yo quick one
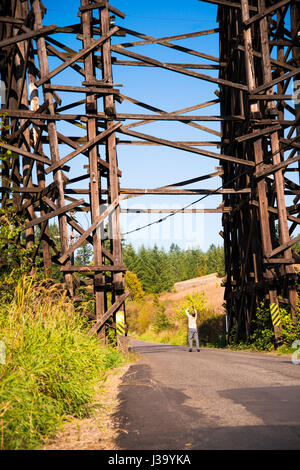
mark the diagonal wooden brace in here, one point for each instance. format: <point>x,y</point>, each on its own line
<point>109,312</point>
<point>83,148</point>
<point>77,56</point>
<point>54,213</point>
<point>93,227</point>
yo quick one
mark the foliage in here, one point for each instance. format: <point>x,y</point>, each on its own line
<point>83,255</point>
<point>162,321</point>
<point>154,270</point>
<point>52,367</point>
<point>196,299</point>
<point>14,256</point>
<point>263,336</point>
<point>134,286</point>
<point>290,331</point>
<point>175,335</point>
<point>158,270</point>
<point>140,314</point>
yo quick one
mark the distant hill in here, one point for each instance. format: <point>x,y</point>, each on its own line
<point>210,285</point>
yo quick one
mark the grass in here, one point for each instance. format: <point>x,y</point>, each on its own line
<point>175,336</point>
<point>52,368</point>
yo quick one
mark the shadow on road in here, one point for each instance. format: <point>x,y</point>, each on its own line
<point>155,416</point>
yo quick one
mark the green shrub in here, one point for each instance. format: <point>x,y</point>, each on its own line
<point>290,331</point>
<point>162,321</point>
<point>263,337</point>
<point>196,299</point>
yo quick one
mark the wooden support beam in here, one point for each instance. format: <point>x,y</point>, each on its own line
<point>77,56</point>
<point>98,220</point>
<point>273,168</point>
<point>167,191</point>
<point>20,151</point>
<point>274,82</point>
<point>267,11</point>
<point>83,148</point>
<point>70,141</point>
<point>170,38</point>
<point>173,117</point>
<point>170,45</point>
<point>192,143</point>
<point>255,134</point>
<point>229,4</point>
<point>9,19</point>
<point>208,78</point>
<point>270,97</point>
<point>283,247</point>
<point>121,299</point>
<point>93,269</point>
<point>99,4</point>
<point>54,213</point>
<point>23,37</point>
<point>169,143</point>
<point>83,89</point>
<point>184,110</point>
<point>282,261</point>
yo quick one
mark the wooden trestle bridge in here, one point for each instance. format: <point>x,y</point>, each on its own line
<point>256,89</point>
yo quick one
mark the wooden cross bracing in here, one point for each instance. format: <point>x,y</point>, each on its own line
<point>257,144</point>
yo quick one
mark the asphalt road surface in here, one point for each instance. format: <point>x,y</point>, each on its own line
<point>172,399</point>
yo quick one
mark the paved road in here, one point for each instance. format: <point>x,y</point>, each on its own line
<point>215,399</point>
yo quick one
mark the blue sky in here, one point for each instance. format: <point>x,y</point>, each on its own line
<point>154,166</point>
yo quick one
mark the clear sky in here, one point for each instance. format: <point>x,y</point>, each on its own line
<point>154,166</point>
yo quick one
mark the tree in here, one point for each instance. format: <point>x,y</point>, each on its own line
<point>215,260</point>
<point>129,257</point>
<point>83,255</point>
<point>134,286</point>
<point>154,270</point>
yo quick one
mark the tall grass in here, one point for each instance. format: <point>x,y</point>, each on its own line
<point>52,367</point>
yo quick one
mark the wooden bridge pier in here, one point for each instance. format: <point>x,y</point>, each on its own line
<point>48,136</point>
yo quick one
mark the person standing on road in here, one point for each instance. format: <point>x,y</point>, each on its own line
<point>193,333</point>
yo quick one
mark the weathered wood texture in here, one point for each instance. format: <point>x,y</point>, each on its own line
<point>258,228</point>
<point>258,144</point>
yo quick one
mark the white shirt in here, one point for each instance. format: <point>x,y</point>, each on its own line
<point>192,320</point>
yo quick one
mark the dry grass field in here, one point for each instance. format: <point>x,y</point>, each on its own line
<point>210,285</point>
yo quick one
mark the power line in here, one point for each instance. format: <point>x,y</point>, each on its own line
<point>206,195</point>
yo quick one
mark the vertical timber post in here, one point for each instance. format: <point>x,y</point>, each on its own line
<point>118,285</point>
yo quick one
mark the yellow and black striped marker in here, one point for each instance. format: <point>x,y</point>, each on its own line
<point>120,322</point>
<point>275,314</point>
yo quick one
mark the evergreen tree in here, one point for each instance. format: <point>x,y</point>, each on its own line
<point>83,255</point>
<point>129,257</point>
<point>158,270</point>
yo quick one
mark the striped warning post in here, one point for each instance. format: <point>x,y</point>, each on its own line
<point>120,321</point>
<point>275,314</point>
